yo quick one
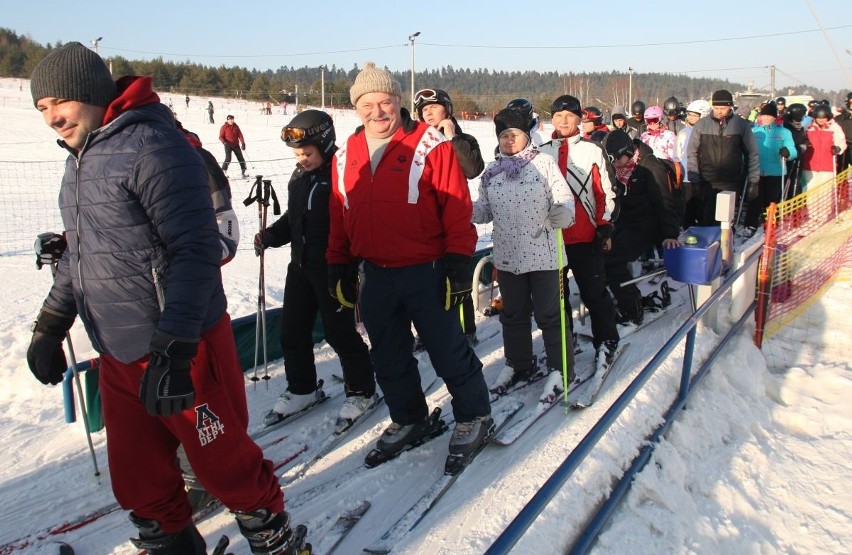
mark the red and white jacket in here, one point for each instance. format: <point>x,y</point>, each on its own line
<point>818,156</point>
<point>414,209</point>
<point>584,167</point>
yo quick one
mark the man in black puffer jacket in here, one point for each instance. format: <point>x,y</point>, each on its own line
<point>142,272</point>
<point>648,217</point>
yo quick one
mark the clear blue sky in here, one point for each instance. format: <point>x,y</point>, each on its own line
<point>724,38</point>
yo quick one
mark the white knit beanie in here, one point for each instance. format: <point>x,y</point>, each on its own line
<point>372,79</point>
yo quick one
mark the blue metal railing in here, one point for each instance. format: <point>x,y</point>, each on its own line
<point>516,529</point>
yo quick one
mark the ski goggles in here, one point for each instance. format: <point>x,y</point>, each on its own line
<point>567,105</point>
<point>423,96</point>
<point>652,120</point>
<point>293,134</point>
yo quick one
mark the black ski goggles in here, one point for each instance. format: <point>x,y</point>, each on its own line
<point>293,134</point>
<point>566,105</point>
<point>423,96</point>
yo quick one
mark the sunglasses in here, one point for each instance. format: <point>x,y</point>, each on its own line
<point>292,134</point>
<point>424,95</point>
<point>652,120</point>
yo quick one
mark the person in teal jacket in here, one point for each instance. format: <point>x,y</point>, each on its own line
<point>775,147</point>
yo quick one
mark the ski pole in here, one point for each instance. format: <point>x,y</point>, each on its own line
<point>51,246</point>
<point>783,186</point>
<point>562,325</point>
<point>83,410</point>
<point>256,194</point>
<point>742,202</point>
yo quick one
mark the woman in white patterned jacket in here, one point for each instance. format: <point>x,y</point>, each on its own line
<point>527,198</point>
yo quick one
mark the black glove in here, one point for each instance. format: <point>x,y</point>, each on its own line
<point>45,355</point>
<point>49,248</point>
<point>752,192</point>
<point>166,386</point>
<point>459,281</point>
<point>784,152</point>
<point>343,284</point>
<point>694,177</point>
<point>835,150</point>
<point>603,238</point>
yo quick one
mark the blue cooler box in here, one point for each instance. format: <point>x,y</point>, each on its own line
<point>698,263</point>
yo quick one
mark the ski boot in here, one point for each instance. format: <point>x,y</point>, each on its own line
<point>353,408</point>
<point>156,542</point>
<point>270,534</point>
<point>467,438</point>
<point>398,438</point>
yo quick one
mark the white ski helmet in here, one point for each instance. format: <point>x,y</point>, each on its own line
<point>699,107</point>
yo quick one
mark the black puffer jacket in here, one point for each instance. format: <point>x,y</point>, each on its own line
<point>305,223</point>
<point>136,204</point>
<point>723,152</point>
<point>647,205</point>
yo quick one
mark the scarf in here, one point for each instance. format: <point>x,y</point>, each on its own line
<point>624,172</point>
<point>511,165</point>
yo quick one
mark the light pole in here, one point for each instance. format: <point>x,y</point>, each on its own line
<point>411,38</point>
<point>95,44</point>
<point>630,90</point>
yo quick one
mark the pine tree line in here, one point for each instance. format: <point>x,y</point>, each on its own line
<point>472,90</point>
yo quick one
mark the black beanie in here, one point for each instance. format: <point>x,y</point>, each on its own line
<point>769,109</point>
<point>618,143</point>
<point>73,72</point>
<point>722,98</point>
<point>513,118</point>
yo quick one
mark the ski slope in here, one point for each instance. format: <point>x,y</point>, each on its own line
<point>756,464</point>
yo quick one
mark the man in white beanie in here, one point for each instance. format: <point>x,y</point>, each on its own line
<point>141,270</point>
<point>401,207</point>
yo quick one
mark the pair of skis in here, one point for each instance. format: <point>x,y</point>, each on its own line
<point>418,511</point>
<point>584,399</point>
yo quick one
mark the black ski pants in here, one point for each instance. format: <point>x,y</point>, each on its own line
<point>627,245</point>
<point>391,299</point>
<point>536,293</point>
<point>769,191</point>
<point>305,295</point>
<point>238,153</point>
<point>587,264</point>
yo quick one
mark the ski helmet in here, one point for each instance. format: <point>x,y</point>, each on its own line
<point>311,127</point>
<point>796,112</point>
<point>822,111</point>
<point>700,106</point>
<point>568,103</point>
<point>638,108</point>
<point>424,97</point>
<point>670,106</point>
<point>781,101</point>
<point>653,113</point>
<point>593,114</point>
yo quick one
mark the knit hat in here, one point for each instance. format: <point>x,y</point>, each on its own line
<point>512,118</point>
<point>769,109</point>
<point>722,98</point>
<point>619,115</point>
<point>618,143</point>
<point>73,72</point>
<point>372,79</point>
<point>569,103</point>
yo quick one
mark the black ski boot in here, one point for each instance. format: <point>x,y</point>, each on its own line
<point>634,313</point>
<point>398,438</point>
<point>186,542</point>
<point>467,438</point>
<point>270,534</point>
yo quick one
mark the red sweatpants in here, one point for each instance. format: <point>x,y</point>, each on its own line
<point>142,449</point>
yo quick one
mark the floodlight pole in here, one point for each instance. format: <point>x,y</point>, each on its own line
<point>411,38</point>
<point>630,91</point>
<point>95,43</point>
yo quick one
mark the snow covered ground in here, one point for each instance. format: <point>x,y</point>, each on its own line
<point>758,463</point>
